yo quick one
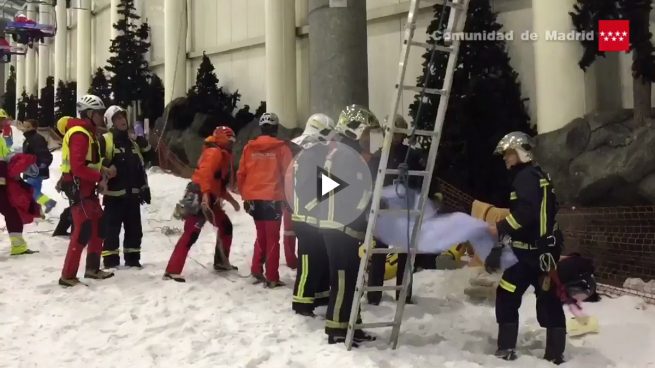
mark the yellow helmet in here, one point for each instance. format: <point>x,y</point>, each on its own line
<point>62,123</point>
<point>3,114</point>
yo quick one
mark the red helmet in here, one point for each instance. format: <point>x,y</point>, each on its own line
<point>225,131</point>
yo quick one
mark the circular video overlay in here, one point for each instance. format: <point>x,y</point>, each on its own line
<point>329,182</point>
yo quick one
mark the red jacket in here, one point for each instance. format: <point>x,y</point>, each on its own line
<point>262,169</point>
<point>78,147</point>
<point>20,193</point>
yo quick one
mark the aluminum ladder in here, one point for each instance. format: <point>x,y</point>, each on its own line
<point>456,21</point>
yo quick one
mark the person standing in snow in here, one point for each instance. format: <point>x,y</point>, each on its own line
<point>209,185</point>
<point>342,240</point>
<point>7,132</point>
<point>312,286</point>
<point>83,178</point>
<point>35,144</point>
<point>127,191</point>
<point>260,179</point>
<point>533,235</point>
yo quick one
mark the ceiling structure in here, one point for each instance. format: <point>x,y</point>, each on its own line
<point>9,7</point>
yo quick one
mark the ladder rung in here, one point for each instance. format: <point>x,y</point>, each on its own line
<point>398,210</point>
<point>430,91</point>
<point>427,46</point>
<point>383,288</point>
<point>409,172</point>
<point>425,133</point>
<point>393,250</point>
<point>374,325</point>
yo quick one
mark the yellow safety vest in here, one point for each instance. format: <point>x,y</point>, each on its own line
<point>109,147</point>
<point>65,151</point>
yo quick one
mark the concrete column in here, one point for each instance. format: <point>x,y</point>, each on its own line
<point>31,74</point>
<point>560,85</point>
<point>83,48</point>
<point>113,16</point>
<point>44,47</point>
<point>280,22</point>
<point>338,57</point>
<point>61,39</point>
<point>175,35</point>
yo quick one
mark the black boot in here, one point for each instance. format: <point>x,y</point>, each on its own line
<point>65,222</point>
<point>507,335</point>
<point>555,344</point>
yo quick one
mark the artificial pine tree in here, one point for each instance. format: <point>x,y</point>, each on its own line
<point>47,104</point>
<point>65,103</point>
<point>28,107</point>
<point>485,104</point>
<point>9,99</point>
<point>207,98</point>
<point>585,18</point>
<point>100,87</point>
<point>153,102</point>
<point>127,63</point>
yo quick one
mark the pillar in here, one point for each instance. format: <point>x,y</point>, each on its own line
<point>113,17</point>
<point>338,56</point>
<point>31,61</point>
<point>44,47</point>
<point>60,43</point>
<point>20,78</point>
<point>560,86</point>
<point>83,48</point>
<point>175,35</point>
<point>280,25</point>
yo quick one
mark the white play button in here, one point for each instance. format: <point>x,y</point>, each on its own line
<point>327,184</point>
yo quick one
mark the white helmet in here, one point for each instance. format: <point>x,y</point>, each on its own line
<point>89,102</point>
<point>319,128</point>
<point>110,113</point>
<point>269,118</point>
<point>520,142</point>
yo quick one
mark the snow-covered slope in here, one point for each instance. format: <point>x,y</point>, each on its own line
<point>138,320</point>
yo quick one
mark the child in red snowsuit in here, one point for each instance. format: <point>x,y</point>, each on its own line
<point>261,183</point>
<point>211,180</point>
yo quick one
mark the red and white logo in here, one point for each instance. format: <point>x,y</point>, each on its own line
<point>613,35</point>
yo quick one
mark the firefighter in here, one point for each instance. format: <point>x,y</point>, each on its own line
<point>127,191</point>
<point>533,235</point>
<point>83,178</point>
<point>209,185</point>
<point>260,179</point>
<point>312,285</point>
<point>35,144</point>
<point>342,241</point>
<point>65,218</point>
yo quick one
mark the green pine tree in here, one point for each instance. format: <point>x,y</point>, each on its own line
<point>9,99</point>
<point>585,17</point>
<point>153,102</point>
<point>28,107</point>
<point>47,104</point>
<point>127,63</point>
<point>100,87</point>
<point>485,104</point>
<point>65,103</point>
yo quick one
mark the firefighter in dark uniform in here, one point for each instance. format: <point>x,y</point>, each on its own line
<point>533,235</point>
<point>127,191</point>
<point>312,286</point>
<point>343,240</point>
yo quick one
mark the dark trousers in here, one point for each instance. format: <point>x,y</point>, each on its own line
<point>122,212</point>
<point>343,255</point>
<point>65,222</point>
<point>312,286</point>
<point>509,294</point>
<point>376,274</point>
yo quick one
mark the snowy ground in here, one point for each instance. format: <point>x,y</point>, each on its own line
<point>138,320</point>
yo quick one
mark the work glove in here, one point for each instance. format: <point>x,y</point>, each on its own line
<point>145,196</point>
<point>492,263</point>
<point>138,129</point>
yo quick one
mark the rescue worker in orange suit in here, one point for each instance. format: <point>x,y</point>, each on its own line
<point>209,182</point>
<point>260,180</point>
<point>312,286</point>
<point>127,191</point>
<point>83,178</point>
<point>533,235</point>
<point>356,126</point>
